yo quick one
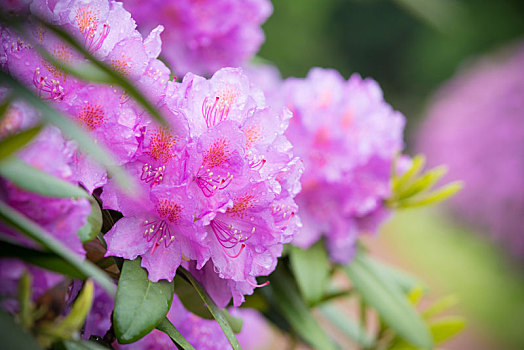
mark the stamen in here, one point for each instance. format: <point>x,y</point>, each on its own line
<point>210,183</point>
<point>282,215</point>
<point>152,175</point>
<point>217,110</point>
<point>160,231</point>
<point>257,285</point>
<point>228,237</point>
<point>88,20</point>
<point>49,87</point>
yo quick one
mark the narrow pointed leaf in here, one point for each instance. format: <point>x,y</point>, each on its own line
<point>440,306</point>
<point>190,298</point>
<point>417,165</point>
<point>297,314</point>
<point>311,270</point>
<point>180,341</point>
<point>346,325</point>
<point>13,143</point>
<point>435,197</point>
<point>34,180</point>
<point>27,227</point>
<point>387,299</point>
<point>446,328</point>
<point>140,305</point>
<point>404,281</point>
<point>45,260</point>
<point>424,183</point>
<point>213,308</point>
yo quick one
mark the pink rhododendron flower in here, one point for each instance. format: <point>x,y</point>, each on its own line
<point>234,175</point>
<point>204,36</point>
<point>347,136</point>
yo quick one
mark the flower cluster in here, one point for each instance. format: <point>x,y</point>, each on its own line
<point>204,36</point>
<point>475,125</point>
<point>347,137</point>
<point>217,186</point>
<point>216,183</point>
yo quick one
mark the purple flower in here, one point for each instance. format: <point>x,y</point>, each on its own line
<point>204,36</point>
<point>474,125</point>
<point>108,31</point>
<point>229,178</point>
<point>347,136</point>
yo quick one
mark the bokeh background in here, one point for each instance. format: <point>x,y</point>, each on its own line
<point>419,50</point>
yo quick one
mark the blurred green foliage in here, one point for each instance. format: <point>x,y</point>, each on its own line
<point>489,287</point>
<point>409,46</point>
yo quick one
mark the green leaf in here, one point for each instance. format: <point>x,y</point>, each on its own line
<point>236,323</point>
<point>45,260</point>
<point>423,183</point>
<point>25,303</point>
<point>65,328</point>
<point>37,181</point>
<point>441,331</point>
<point>311,270</point>
<point>13,143</point>
<point>213,308</point>
<point>287,298</point>
<point>167,327</point>
<point>190,298</point>
<point>416,165</point>
<point>346,325</point>
<point>93,225</point>
<point>14,337</point>
<point>140,304</point>
<point>404,281</point>
<point>34,180</point>
<point>25,226</point>
<point>440,306</point>
<point>333,294</point>
<point>415,295</point>
<point>72,130</point>
<point>81,345</point>
<point>435,197</point>
<point>386,298</point>
<point>446,328</point>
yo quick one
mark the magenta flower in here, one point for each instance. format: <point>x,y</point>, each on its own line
<point>204,36</point>
<point>474,125</point>
<point>347,137</point>
<point>161,229</point>
<point>227,168</point>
